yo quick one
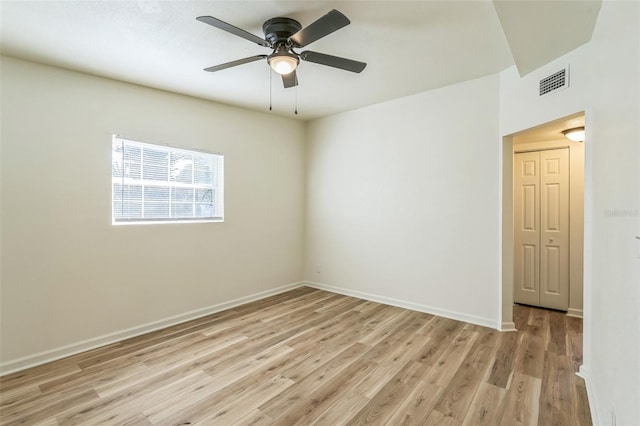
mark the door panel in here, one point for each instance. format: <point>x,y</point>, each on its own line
<point>554,227</point>
<point>552,272</point>
<point>552,210</point>
<point>530,267</point>
<point>527,228</point>
<point>529,205</point>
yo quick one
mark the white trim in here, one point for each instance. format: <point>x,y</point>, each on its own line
<point>582,373</point>
<point>459,316</point>
<point>106,339</point>
<point>585,373</point>
<point>508,326</point>
<point>162,222</point>
<point>576,313</point>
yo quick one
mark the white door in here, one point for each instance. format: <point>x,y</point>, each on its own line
<point>554,228</point>
<point>526,221</point>
<point>541,228</point>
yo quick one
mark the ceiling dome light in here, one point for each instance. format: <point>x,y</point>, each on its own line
<point>283,62</point>
<point>576,134</point>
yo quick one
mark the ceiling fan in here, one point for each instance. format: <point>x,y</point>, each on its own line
<point>283,35</point>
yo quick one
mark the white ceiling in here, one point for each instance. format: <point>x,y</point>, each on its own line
<point>551,131</point>
<point>409,46</point>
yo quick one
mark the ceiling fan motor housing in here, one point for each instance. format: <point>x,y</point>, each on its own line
<point>278,30</point>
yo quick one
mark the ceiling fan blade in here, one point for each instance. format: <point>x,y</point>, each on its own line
<point>235,63</point>
<point>333,61</point>
<point>323,26</point>
<point>290,80</point>
<point>233,30</point>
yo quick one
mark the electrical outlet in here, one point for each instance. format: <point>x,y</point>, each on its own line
<point>318,268</point>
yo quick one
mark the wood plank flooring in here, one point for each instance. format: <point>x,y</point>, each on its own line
<point>312,357</point>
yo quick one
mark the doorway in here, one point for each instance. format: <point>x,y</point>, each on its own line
<point>541,227</point>
<point>545,137</point>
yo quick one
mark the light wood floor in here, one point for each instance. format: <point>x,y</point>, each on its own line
<point>313,357</point>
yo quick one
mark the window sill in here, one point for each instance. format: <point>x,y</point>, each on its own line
<point>165,222</point>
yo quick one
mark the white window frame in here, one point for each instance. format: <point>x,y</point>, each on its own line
<point>217,185</point>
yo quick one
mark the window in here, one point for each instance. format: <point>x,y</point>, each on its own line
<point>155,183</point>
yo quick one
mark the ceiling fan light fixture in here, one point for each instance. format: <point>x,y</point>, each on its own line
<point>576,134</point>
<point>283,35</point>
<point>283,62</point>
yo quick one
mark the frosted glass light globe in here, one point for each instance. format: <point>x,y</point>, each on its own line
<point>283,63</point>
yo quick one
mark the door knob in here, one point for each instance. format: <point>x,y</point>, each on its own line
<point>550,240</point>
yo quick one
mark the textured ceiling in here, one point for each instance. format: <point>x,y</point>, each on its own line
<point>410,46</point>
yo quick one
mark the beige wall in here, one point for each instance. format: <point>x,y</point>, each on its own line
<point>67,274</point>
<point>613,156</point>
<point>402,202</point>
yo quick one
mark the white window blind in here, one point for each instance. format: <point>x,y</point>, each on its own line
<point>155,183</point>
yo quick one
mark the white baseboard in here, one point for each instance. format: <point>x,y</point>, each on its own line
<point>508,326</point>
<point>106,339</point>
<point>585,373</point>
<point>576,313</point>
<point>485,322</point>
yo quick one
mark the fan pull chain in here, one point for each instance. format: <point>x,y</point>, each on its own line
<point>296,110</point>
<point>270,89</point>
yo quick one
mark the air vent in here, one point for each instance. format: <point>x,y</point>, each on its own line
<point>556,81</point>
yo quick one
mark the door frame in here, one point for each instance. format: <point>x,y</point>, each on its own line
<point>507,239</point>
